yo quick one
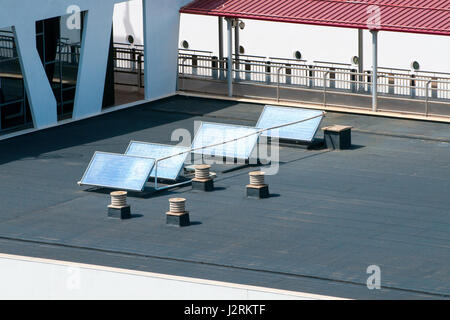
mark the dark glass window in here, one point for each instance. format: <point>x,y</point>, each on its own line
<point>59,49</point>
<point>14,108</point>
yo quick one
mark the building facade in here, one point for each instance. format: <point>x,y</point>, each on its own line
<point>55,57</point>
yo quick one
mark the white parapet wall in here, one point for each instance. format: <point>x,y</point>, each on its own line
<point>33,278</point>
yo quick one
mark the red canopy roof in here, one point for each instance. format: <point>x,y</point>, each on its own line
<point>415,16</point>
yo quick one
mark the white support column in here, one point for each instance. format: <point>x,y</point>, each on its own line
<point>221,65</point>
<point>161,37</point>
<point>93,61</point>
<point>361,58</point>
<point>236,47</point>
<point>230,56</point>
<point>38,89</point>
<point>374,70</point>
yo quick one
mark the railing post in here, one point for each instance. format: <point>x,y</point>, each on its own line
<point>140,70</point>
<point>353,80</point>
<point>434,88</point>
<point>325,89</point>
<point>133,59</point>
<point>268,72</point>
<point>332,78</point>
<point>248,70</point>
<point>194,64</point>
<point>413,86</point>
<point>427,93</point>
<point>311,76</point>
<point>184,74</point>
<point>278,83</point>
<point>369,81</point>
<point>391,84</point>
<point>288,74</point>
<point>214,67</point>
<point>73,53</point>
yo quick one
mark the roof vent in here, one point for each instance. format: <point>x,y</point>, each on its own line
<point>177,215</point>
<point>257,187</point>
<point>415,66</point>
<point>185,44</point>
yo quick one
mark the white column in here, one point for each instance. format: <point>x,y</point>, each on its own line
<point>236,46</point>
<point>230,57</point>
<point>374,70</point>
<point>221,65</point>
<point>93,61</point>
<point>161,38</point>
<point>361,57</point>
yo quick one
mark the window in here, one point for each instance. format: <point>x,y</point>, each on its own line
<point>14,108</point>
<point>59,49</point>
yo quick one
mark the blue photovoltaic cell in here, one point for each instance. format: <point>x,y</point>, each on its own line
<point>167,169</point>
<point>212,133</point>
<point>273,116</point>
<point>118,171</point>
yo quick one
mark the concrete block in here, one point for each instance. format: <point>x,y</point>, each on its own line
<point>257,192</point>
<point>203,185</point>
<point>119,212</point>
<point>338,137</point>
<point>178,220</point>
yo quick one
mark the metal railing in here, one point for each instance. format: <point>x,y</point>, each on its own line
<point>129,65</point>
<point>283,75</point>
<point>68,52</point>
<point>7,47</point>
<point>337,79</point>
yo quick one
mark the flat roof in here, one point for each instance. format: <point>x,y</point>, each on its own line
<point>414,16</point>
<point>331,214</point>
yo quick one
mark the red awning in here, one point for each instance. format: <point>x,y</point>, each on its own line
<point>415,16</point>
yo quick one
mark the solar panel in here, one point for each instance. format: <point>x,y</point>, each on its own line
<point>212,133</point>
<point>167,169</point>
<point>118,171</point>
<point>273,116</point>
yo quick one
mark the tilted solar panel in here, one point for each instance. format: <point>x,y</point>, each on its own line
<point>213,133</point>
<point>118,171</point>
<point>273,116</point>
<point>167,169</point>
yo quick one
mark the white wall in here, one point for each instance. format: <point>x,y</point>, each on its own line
<point>31,278</point>
<point>267,39</point>
<point>400,49</point>
<point>396,50</point>
<point>128,20</point>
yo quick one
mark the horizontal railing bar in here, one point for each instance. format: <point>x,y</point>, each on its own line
<point>356,74</point>
<point>318,89</point>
